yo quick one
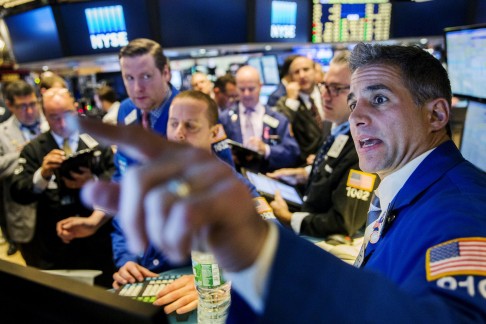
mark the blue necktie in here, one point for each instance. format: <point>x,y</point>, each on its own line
<point>322,154</point>
<point>374,211</point>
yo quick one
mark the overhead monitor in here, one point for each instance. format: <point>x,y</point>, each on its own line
<point>278,21</point>
<point>267,67</point>
<point>473,144</point>
<point>466,60</point>
<point>34,35</point>
<point>186,23</point>
<point>96,27</point>
<point>350,20</point>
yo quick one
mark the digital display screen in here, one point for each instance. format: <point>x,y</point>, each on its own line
<point>350,20</point>
<point>281,21</point>
<point>186,23</point>
<point>267,67</point>
<point>466,61</point>
<point>473,144</point>
<point>34,35</point>
<point>103,26</point>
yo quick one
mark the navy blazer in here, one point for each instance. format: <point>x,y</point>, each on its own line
<point>284,150</point>
<point>443,200</point>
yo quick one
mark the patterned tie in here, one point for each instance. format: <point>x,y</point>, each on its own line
<point>249,130</point>
<point>33,130</point>
<point>315,113</point>
<point>369,245</point>
<point>322,154</point>
<point>66,147</point>
<point>146,119</point>
<point>374,211</point>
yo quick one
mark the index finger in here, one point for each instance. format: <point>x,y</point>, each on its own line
<point>133,140</point>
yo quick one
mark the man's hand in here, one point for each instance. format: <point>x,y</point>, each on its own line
<point>256,144</point>
<point>180,296</point>
<point>79,178</point>
<point>51,162</point>
<point>131,272</point>
<point>292,176</point>
<point>176,223</point>
<point>293,89</point>
<point>79,227</point>
<point>281,209</point>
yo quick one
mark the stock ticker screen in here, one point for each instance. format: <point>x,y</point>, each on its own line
<point>350,20</point>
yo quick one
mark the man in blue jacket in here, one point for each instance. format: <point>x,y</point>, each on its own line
<point>425,252</point>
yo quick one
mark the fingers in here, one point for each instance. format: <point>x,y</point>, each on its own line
<point>131,272</point>
<point>102,195</point>
<point>133,140</point>
<point>180,296</point>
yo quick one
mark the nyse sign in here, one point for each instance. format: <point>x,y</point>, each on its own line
<point>109,40</point>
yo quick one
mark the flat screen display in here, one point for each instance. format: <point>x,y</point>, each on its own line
<point>267,67</point>
<point>281,21</point>
<point>350,20</point>
<point>103,26</point>
<point>34,35</point>
<point>466,60</point>
<point>185,23</point>
<point>473,144</point>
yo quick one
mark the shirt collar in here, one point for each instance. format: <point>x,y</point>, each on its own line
<point>391,184</point>
<point>60,140</point>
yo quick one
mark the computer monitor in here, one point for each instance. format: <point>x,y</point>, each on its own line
<point>267,67</point>
<point>466,57</point>
<point>473,143</point>
<point>28,295</point>
<point>34,35</point>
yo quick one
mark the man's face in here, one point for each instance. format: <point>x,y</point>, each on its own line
<point>227,98</point>
<point>146,85</point>
<point>302,71</point>
<point>56,109</point>
<point>189,123</point>
<point>248,85</point>
<point>388,129</point>
<point>200,82</point>
<point>25,108</point>
<point>335,95</point>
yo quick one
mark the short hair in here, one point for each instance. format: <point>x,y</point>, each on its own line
<point>423,75</point>
<point>212,112</point>
<point>341,57</point>
<point>284,70</point>
<point>18,88</point>
<point>48,81</point>
<point>142,46</point>
<point>106,93</point>
<point>222,81</point>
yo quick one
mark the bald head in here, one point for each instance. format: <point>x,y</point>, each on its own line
<point>248,85</point>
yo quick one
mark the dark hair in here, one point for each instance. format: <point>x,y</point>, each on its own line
<point>212,111</point>
<point>222,81</point>
<point>106,93</point>
<point>423,75</point>
<point>142,46</point>
<point>284,70</point>
<point>18,88</point>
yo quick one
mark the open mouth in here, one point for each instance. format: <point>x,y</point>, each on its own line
<point>368,142</point>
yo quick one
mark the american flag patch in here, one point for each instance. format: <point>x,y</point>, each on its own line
<point>464,256</point>
<point>361,180</point>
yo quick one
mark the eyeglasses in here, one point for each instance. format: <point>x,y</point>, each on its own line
<point>25,106</point>
<point>333,89</point>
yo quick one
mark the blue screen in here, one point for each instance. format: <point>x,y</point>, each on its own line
<point>34,35</point>
<point>103,26</point>
<point>466,61</point>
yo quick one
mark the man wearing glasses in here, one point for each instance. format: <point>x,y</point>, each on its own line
<point>338,193</point>
<point>37,179</point>
<point>24,124</point>
<point>303,107</point>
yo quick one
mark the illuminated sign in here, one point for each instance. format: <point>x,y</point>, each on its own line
<point>106,27</point>
<point>283,19</point>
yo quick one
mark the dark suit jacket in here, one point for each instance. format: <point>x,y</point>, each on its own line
<point>284,150</point>
<point>306,131</point>
<point>55,203</point>
<point>335,207</point>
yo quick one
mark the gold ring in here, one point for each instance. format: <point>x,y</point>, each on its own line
<point>178,188</point>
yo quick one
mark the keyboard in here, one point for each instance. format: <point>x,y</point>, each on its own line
<point>146,291</point>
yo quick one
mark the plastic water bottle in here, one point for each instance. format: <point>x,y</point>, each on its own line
<point>213,290</point>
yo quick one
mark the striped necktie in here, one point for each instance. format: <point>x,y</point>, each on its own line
<point>315,113</point>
